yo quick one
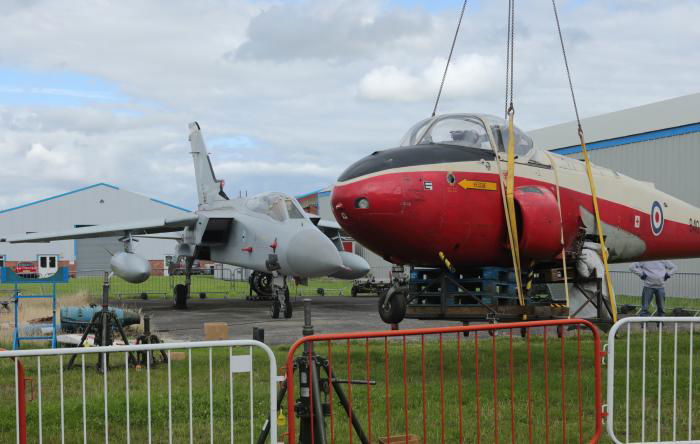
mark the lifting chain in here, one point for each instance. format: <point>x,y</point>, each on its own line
<point>509,196</point>
<point>449,58</point>
<point>510,45</point>
<point>589,172</point>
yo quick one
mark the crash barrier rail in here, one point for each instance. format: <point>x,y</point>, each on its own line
<point>651,380</point>
<point>221,283</point>
<point>681,285</point>
<point>148,392</point>
<point>437,385</point>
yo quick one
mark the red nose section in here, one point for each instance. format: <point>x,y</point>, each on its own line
<point>410,217</point>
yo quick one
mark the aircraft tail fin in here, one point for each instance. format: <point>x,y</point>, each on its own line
<point>209,188</point>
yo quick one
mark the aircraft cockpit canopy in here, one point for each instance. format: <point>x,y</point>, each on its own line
<point>278,206</point>
<point>469,130</point>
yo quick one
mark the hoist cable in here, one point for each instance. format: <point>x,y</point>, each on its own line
<point>508,185</point>
<point>449,58</point>
<point>510,44</point>
<point>589,172</point>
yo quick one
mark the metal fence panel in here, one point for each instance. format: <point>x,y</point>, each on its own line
<point>436,385</point>
<point>651,381</point>
<point>681,285</point>
<point>201,391</point>
<point>220,284</point>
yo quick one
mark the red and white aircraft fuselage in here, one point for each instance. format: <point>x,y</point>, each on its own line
<point>440,191</point>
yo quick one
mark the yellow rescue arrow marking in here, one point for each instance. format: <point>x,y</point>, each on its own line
<point>477,185</point>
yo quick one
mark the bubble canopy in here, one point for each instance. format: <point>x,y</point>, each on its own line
<point>278,206</point>
<point>469,130</point>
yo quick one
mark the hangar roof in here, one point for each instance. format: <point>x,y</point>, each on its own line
<point>101,184</point>
<point>680,113</point>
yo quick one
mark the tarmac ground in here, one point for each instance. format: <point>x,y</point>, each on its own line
<point>330,314</point>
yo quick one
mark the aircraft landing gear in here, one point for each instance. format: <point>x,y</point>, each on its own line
<point>281,302</point>
<point>182,291</point>
<point>261,285</point>
<point>392,305</point>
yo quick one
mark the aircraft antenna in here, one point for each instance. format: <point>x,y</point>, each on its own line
<point>449,58</point>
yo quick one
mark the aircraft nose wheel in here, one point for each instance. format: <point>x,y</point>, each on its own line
<point>392,311</point>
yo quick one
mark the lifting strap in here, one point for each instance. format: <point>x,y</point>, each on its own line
<point>507,196</point>
<point>508,188</point>
<point>510,200</point>
<point>599,227</point>
<point>591,182</point>
<point>555,169</point>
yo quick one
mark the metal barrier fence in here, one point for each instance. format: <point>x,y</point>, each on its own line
<point>200,392</point>
<point>321,287</point>
<point>435,385</point>
<point>220,283</point>
<point>681,285</point>
<point>651,382</point>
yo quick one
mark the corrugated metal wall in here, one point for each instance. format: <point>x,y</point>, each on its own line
<point>671,163</point>
<point>93,255</point>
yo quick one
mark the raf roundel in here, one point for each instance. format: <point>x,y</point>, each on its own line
<point>657,218</point>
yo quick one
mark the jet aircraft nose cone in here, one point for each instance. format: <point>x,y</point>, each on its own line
<point>312,254</point>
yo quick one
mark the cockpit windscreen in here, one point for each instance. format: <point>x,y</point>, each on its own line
<point>499,128</point>
<point>278,206</point>
<point>467,130</point>
<point>462,131</point>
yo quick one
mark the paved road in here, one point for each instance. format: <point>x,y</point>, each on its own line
<point>330,314</point>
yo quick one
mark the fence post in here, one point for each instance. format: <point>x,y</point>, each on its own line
<point>20,401</point>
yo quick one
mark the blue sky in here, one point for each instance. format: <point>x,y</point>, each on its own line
<point>20,86</point>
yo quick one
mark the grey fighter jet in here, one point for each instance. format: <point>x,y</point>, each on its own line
<point>269,233</point>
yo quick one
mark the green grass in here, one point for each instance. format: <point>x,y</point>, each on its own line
<point>351,360</point>
<point>670,304</point>
<point>162,287</point>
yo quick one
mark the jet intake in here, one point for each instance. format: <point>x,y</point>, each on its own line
<point>539,224</point>
<point>354,266</point>
<point>130,267</point>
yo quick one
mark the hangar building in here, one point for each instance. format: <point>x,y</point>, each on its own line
<point>658,143</point>
<point>100,203</point>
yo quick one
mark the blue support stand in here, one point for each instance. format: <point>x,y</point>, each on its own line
<point>8,276</point>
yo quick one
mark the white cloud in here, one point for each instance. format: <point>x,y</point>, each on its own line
<point>316,84</point>
<point>279,169</point>
<point>52,159</point>
<point>468,76</point>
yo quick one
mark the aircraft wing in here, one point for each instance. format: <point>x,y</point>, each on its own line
<point>137,228</point>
